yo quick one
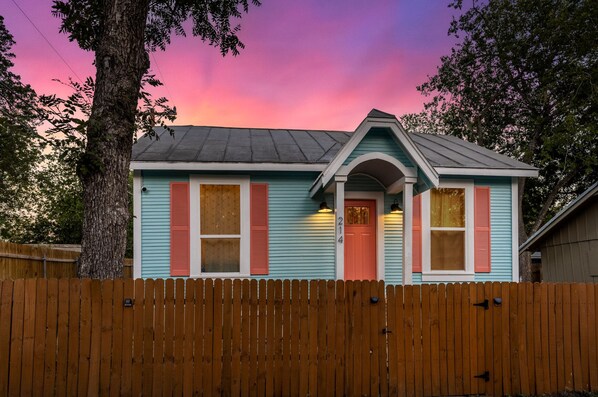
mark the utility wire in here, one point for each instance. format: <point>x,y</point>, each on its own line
<point>47,41</point>
<point>161,75</point>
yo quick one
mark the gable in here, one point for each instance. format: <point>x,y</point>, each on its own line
<point>380,140</point>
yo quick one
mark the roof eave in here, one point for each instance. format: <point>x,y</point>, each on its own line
<point>225,166</point>
<point>465,171</point>
<point>558,218</point>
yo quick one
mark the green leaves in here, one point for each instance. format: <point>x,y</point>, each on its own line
<point>523,81</point>
<point>211,20</point>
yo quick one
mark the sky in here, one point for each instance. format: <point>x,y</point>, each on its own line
<point>311,64</point>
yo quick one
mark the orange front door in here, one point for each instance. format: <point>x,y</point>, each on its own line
<point>360,240</point>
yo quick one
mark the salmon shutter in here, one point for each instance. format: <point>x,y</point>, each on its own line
<point>179,229</point>
<point>482,230</point>
<point>417,234</point>
<point>259,229</point>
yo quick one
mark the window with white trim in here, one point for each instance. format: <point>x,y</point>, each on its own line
<point>219,226</point>
<point>447,229</point>
<point>447,232</point>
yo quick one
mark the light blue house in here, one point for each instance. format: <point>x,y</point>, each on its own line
<point>377,203</point>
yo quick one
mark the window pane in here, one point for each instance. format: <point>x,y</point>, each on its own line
<point>220,209</point>
<point>448,250</point>
<point>220,255</point>
<point>447,207</point>
<point>357,215</point>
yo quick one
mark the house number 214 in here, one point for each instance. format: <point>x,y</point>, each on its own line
<point>340,229</point>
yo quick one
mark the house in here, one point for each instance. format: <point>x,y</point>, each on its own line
<point>569,241</point>
<point>377,203</point>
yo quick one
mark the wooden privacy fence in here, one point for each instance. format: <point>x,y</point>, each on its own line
<point>295,338</point>
<point>39,260</point>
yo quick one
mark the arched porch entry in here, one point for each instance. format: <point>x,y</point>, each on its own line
<point>360,216</point>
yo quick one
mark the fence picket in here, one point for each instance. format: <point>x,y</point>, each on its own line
<point>16,338</point>
<point>73,335</point>
<point>497,329</point>
<point>148,337</point>
<point>294,337</point>
<point>417,342</point>
<point>179,336</point>
<point>236,339</point>
<point>127,349</point>
<point>105,335</point>
<point>199,340</point>
<point>28,337</point>
<point>304,337</point>
<point>5,324</point>
<point>39,346</point>
<point>158,369</point>
<point>253,337</point>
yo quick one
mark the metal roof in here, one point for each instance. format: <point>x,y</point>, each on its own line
<point>558,218</point>
<point>257,145</point>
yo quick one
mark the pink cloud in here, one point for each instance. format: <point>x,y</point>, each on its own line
<point>308,64</point>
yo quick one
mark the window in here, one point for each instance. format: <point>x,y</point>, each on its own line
<point>220,230</point>
<point>220,226</point>
<point>357,215</point>
<point>447,229</point>
<point>447,233</point>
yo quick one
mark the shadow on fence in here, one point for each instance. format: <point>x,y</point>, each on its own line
<point>295,338</point>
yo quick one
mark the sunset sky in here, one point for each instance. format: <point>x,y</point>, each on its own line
<point>307,64</point>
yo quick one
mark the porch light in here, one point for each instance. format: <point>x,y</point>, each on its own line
<point>324,207</point>
<point>394,208</point>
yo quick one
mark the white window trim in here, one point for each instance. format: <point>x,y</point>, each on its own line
<point>449,275</point>
<point>194,233</point>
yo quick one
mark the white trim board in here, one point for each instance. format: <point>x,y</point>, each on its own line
<point>137,186</point>
<point>515,227</point>
<point>198,166</point>
<point>379,198</point>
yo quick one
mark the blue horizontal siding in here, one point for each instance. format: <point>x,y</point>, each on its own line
<point>155,222</point>
<point>379,140</point>
<point>301,239</point>
<point>393,242</point>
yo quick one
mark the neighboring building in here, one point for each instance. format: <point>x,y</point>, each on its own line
<point>239,202</point>
<point>569,241</point>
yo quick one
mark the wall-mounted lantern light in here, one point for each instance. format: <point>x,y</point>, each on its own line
<point>394,208</point>
<point>324,207</point>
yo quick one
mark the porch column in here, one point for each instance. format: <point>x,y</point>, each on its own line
<point>339,209</point>
<point>408,233</point>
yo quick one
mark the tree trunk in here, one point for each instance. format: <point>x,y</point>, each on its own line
<point>121,61</point>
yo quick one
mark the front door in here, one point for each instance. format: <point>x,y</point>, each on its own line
<point>360,240</point>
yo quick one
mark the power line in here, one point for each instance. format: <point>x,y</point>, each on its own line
<point>47,41</point>
<point>161,75</point>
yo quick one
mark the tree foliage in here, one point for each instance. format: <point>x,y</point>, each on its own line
<point>523,81</point>
<point>19,144</point>
<point>121,34</point>
<point>84,22</point>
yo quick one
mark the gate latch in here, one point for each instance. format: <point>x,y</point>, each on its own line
<point>484,304</point>
<point>485,375</point>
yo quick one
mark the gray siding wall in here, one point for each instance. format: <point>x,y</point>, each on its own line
<point>570,252</point>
